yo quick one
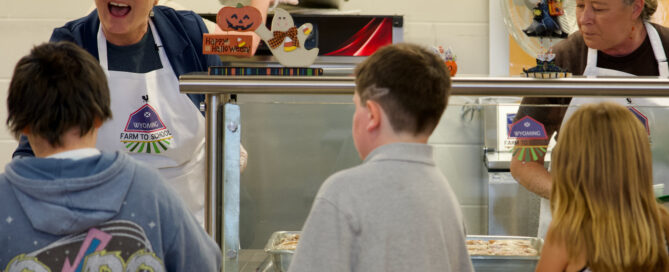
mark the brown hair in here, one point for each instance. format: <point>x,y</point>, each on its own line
<point>602,198</point>
<point>56,87</point>
<point>414,84</point>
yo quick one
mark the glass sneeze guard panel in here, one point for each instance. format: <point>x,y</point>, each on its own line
<point>294,144</point>
<point>298,132</point>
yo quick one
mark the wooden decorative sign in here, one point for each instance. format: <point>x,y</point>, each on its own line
<point>236,19</point>
<point>286,41</point>
<point>240,18</point>
<point>226,44</point>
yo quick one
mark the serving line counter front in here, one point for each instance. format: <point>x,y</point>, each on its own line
<point>283,112</point>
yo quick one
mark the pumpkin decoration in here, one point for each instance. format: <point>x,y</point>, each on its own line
<point>240,18</point>
<point>452,66</point>
<point>449,59</point>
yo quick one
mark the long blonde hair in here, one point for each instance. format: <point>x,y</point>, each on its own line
<point>602,198</point>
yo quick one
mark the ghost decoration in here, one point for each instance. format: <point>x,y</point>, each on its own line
<point>286,42</point>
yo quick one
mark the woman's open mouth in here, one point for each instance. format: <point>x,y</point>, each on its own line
<point>118,9</point>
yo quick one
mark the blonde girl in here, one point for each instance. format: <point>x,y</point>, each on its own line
<point>605,216</point>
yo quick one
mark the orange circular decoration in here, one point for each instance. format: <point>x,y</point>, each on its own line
<point>452,66</point>
<point>245,18</point>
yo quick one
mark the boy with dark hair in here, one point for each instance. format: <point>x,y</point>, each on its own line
<point>73,207</point>
<point>395,211</point>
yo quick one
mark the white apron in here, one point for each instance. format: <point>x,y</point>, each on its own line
<point>156,124</point>
<point>652,109</point>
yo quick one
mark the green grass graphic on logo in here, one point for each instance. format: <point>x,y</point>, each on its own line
<point>148,147</point>
<point>529,153</point>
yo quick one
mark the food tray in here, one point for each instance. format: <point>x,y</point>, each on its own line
<point>280,257</point>
<point>484,263</point>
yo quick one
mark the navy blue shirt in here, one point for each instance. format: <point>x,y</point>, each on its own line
<point>142,57</point>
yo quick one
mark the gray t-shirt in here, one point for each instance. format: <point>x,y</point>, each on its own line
<point>394,212</point>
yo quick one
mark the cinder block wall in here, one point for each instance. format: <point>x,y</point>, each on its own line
<point>22,25</point>
<point>462,25</point>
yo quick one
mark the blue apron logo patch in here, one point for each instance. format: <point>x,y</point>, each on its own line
<point>528,129</point>
<point>641,117</point>
<point>146,132</point>
<point>509,122</point>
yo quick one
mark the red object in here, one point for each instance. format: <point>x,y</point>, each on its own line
<point>376,34</point>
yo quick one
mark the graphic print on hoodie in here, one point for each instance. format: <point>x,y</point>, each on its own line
<point>113,246</point>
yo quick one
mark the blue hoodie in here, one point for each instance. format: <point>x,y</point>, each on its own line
<point>104,211</point>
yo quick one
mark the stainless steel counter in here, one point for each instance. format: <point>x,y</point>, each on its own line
<point>250,260</point>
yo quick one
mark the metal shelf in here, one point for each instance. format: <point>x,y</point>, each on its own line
<point>466,86</point>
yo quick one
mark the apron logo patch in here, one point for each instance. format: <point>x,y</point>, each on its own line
<point>528,129</point>
<point>642,118</point>
<point>145,132</point>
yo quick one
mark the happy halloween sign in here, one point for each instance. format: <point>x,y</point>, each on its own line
<point>226,44</point>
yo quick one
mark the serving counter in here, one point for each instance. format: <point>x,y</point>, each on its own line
<point>297,132</point>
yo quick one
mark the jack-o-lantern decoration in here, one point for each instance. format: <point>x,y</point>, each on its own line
<point>448,57</point>
<point>452,66</point>
<point>240,18</point>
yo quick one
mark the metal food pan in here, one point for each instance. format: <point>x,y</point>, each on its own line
<point>483,263</point>
<point>280,257</point>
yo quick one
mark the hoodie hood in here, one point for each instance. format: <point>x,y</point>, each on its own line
<point>63,196</point>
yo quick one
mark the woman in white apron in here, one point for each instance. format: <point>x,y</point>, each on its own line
<point>156,124</point>
<point>641,50</point>
<point>152,120</point>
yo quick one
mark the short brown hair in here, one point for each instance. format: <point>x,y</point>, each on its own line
<point>417,83</point>
<point>56,87</point>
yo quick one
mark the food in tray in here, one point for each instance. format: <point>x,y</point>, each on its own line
<point>510,247</point>
<point>288,242</point>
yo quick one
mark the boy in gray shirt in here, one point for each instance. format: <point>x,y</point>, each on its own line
<point>395,211</point>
